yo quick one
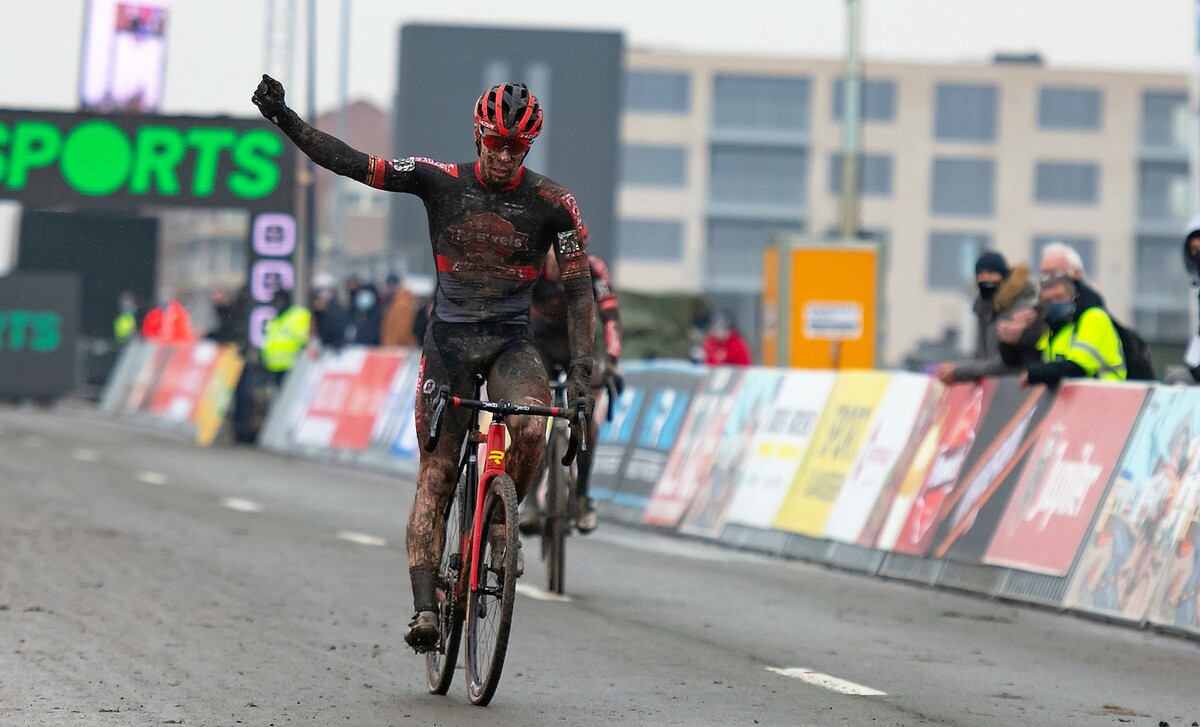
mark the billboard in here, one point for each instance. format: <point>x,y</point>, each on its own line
<point>39,321</point>
<point>124,55</point>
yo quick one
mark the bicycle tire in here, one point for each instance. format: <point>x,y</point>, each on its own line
<point>558,516</point>
<point>440,663</point>
<point>490,605</point>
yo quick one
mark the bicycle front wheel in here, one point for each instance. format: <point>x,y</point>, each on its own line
<point>490,605</point>
<point>450,590</point>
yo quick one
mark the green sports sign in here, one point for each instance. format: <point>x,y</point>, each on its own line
<point>64,160</point>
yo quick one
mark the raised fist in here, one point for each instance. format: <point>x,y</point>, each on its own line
<point>268,97</point>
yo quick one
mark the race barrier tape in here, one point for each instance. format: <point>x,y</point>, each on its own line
<point>1084,498</point>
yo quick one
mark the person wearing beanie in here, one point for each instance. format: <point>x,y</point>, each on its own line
<point>1002,290</point>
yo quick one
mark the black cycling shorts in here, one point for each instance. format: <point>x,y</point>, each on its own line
<point>456,353</point>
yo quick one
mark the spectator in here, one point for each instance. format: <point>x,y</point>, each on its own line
<point>400,314</point>
<point>421,320</point>
<point>125,325</point>
<point>168,323</point>
<point>1059,260</point>
<point>286,335</point>
<point>1002,290</point>
<point>365,320</point>
<point>724,346</point>
<point>232,316</point>
<point>351,285</point>
<point>1077,342</point>
<point>328,316</point>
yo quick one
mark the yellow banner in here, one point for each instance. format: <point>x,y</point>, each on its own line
<point>835,444</point>
<point>214,403</point>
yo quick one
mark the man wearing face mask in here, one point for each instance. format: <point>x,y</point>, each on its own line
<point>365,317</point>
<point>1002,290</point>
<point>285,336</point>
<point>1076,343</point>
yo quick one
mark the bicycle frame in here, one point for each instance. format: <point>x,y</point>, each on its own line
<point>494,465</point>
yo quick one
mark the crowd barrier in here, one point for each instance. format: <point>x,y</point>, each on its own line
<point>185,387</point>
<point>1085,498</point>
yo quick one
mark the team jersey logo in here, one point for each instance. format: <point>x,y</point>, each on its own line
<point>451,169</point>
<point>404,165</point>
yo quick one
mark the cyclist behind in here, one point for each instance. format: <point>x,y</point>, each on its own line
<point>550,334</point>
<point>492,223</point>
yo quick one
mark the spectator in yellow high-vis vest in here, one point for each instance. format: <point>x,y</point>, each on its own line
<point>286,335</point>
<point>1076,343</point>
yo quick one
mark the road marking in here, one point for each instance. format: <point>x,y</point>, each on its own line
<point>538,594</point>
<point>362,538</point>
<point>152,478</point>
<point>240,505</point>
<point>816,678</point>
<point>86,455</point>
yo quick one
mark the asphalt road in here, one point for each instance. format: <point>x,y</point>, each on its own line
<point>145,581</point>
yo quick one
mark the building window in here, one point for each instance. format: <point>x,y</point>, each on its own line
<point>648,165</point>
<point>952,257</point>
<point>1163,191</point>
<point>761,103</point>
<point>650,240</point>
<point>965,113</point>
<point>1067,183</point>
<point>963,187</point>
<point>758,175</point>
<point>878,99</point>
<point>1160,291</point>
<point>733,259</point>
<point>1164,119</point>
<point>662,92</point>
<point>874,175</point>
<point>1085,246</point>
<point>1077,109</point>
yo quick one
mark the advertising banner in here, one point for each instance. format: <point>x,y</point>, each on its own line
<point>910,526</point>
<point>778,447</point>
<point>39,322</point>
<point>892,427</point>
<point>835,444</point>
<point>397,427</point>
<point>973,510</point>
<point>1177,602</point>
<point>706,516</point>
<point>214,402</point>
<point>1149,506</point>
<point>616,435</point>
<point>1066,476</point>
<point>183,380</point>
<point>332,382</point>
<point>668,396</point>
<point>690,465</point>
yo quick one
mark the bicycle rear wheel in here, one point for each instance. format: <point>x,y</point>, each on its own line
<point>558,514</point>
<point>450,590</point>
<point>490,605</point>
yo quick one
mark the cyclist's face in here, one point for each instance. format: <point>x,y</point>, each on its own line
<point>499,160</point>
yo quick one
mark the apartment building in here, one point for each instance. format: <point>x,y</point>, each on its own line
<point>719,153</point>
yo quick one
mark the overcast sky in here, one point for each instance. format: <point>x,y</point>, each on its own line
<point>216,47</point>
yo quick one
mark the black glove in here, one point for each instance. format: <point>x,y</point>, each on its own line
<point>268,97</point>
<point>579,385</point>
<point>612,374</point>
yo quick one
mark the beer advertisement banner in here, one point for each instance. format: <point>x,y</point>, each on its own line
<point>214,403</point>
<point>616,436</point>
<point>971,514</point>
<point>397,428</point>
<point>778,448</point>
<point>835,444</point>
<point>364,401</point>
<point>690,465</point>
<point>911,523</point>
<point>706,516</point>
<point>1148,509</point>
<point>892,427</point>
<point>1066,476</point>
<point>182,381</point>
<point>667,400</point>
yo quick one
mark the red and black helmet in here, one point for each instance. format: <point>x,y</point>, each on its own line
<point>510,110</point>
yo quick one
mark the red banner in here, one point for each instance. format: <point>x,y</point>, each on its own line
<point>364,400</point>
<point>1065,478</point>
<point>183,380</point>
